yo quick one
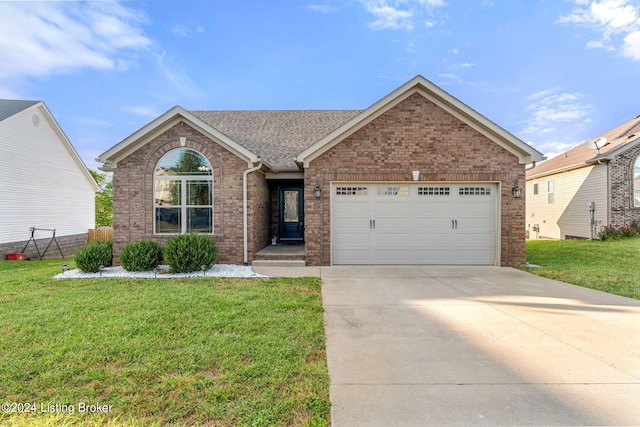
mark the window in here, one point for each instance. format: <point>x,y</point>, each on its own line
<point>351,191</point>
<point>474,191</point>
<point>535,189</point>
<point>636,183</point>
<point>433,191</point>
<point>183,193</point>
<point>393,191</point>
<point>550,195</point>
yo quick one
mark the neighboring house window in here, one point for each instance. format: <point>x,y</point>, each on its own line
<point>535,189</point>
<point>183,193</point>
<point>636,183</point>
<point>550,194</point>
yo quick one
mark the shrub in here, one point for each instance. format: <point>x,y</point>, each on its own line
<point>189,252</point>
<point>93,255</point>
<point>141,255</point>
<point>611,233</point>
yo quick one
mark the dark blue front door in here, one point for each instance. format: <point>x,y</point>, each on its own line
<point>291,213</point>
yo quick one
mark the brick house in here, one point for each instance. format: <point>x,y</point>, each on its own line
<point>417,178</point>
<point>594,184</point>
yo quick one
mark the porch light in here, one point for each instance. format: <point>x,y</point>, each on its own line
<point>516,190</point>
<point>317,191</point>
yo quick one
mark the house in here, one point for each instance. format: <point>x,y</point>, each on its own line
<point>43,182</point>
<point>416,178</point>
<point>594,184</point>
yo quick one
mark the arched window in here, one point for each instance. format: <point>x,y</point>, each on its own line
<point>636,183</point>
<point>183,193</point>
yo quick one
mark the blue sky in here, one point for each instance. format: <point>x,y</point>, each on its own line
<point>552,72</point>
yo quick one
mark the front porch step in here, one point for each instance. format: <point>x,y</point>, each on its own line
<point>278,263</point>
<point>280,256</point>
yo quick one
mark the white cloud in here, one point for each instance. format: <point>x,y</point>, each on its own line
<point>321,8</point>
<point>172,69</point>
<point>617,22</point>
<point>550,107</point>
<point>42,38</point>
<point>401,14</point>
<point>144,111</point>
<point>388,17</point>
<point>631,47</point>
<point>185,31</point>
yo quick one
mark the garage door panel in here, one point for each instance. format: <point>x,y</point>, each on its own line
<point>432,225</point>
<point>476,240</point>
<point>351,208</point>
<point>471,225</point>
<point>394,256</point>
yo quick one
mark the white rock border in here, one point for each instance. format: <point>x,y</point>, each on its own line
<point>218,270</point>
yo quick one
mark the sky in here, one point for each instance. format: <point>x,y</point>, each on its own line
<point>554,73</point>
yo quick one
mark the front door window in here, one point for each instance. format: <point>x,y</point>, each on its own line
<point>291,213</point>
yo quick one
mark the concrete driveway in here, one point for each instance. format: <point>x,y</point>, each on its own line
<point>457,346</point>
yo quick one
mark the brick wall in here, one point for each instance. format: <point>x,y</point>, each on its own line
<point>133,195</point>
<point>415,135</point>
<point>68,244</point>
<point>621,176</point>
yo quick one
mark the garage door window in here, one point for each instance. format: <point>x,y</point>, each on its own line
<point>474,191</point>
<point>433,191</point>
<point>351,191</point>
<point>393,191</point>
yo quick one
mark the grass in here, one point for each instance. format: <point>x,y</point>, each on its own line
<point>214,352</point>
<point>609,266</point>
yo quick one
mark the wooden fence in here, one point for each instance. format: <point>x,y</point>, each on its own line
<point>102,233</point>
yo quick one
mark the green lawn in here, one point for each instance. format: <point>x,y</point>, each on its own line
<point>611,266</point>
<point>214,352</point>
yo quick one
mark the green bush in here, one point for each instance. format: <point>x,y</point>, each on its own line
<point>141,255</point>
<point>189,252</point>
<point>93,255</point>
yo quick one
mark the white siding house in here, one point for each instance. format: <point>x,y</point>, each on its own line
<point>43,182</point>
<point>564,212</point>
<point>604,170</point>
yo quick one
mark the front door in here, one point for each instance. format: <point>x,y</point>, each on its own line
<point>291,213</point>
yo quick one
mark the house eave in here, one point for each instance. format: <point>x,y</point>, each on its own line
<point>561,170</point>
<point>44,110</point>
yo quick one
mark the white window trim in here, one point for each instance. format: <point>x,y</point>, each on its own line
<point>551,195</point>
<point>636,188</point>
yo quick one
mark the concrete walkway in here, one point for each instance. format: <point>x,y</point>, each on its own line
<point>458,346</point>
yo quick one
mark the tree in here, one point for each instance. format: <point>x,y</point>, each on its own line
<point>104,199</point>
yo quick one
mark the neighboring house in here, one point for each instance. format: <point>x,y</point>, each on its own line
<point>602,175</point>
<point>417,178</point>
<point>43,183</point>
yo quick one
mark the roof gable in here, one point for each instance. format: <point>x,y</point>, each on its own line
<point>11,108</point>
<point>420,85</point>
<point>167,120</point>
<point>620,138</point>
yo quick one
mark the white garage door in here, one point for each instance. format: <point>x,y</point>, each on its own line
<point>414,223</point>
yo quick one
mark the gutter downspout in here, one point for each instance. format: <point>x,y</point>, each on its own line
<point>244,210</point>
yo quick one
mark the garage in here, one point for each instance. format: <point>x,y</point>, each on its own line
<point>414,223</point>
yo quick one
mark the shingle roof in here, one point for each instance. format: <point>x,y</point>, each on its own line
<point>277,136</point>
<point>9,107</point>
<point>578,156</point>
